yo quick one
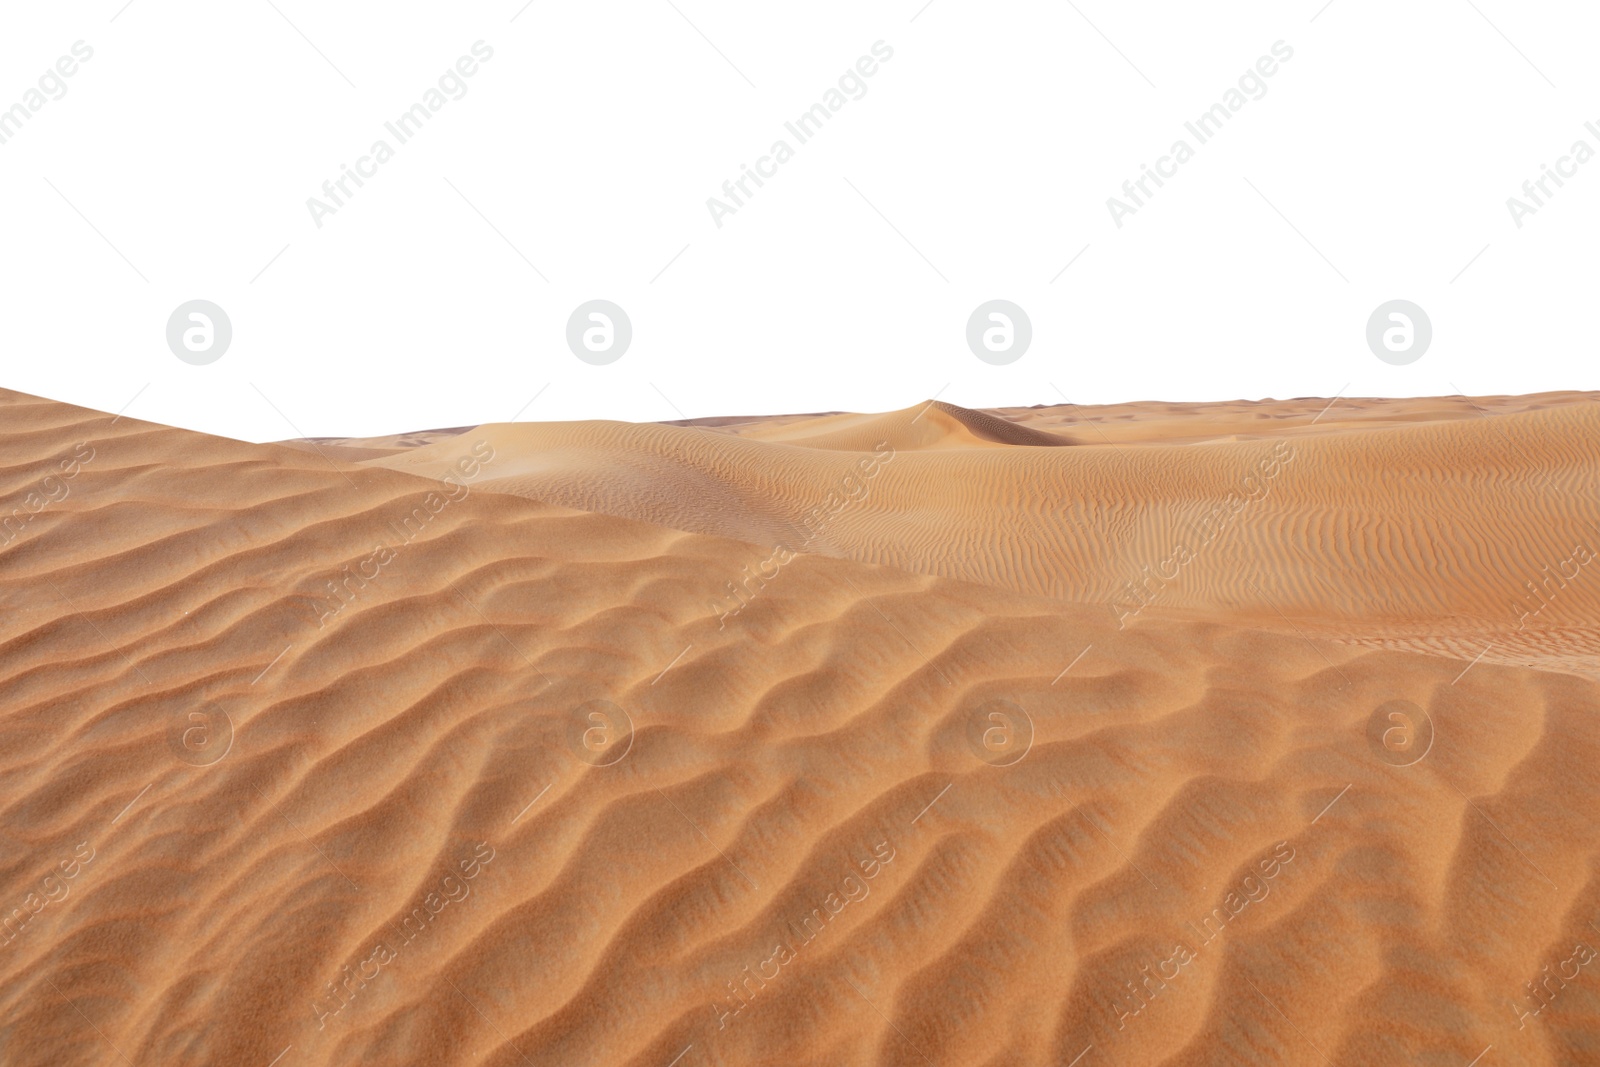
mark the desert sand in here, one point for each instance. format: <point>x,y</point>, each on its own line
<point>1245,733</point>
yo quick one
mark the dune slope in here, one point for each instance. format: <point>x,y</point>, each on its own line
<point>307,761</point>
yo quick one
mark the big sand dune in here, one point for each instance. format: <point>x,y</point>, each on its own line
<point>1221,734</point>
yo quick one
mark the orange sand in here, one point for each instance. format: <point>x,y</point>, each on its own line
<point>941,752</point>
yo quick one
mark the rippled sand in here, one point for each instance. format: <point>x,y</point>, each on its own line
<point>1232,733</point>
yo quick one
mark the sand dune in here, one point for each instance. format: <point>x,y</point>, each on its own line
<point>1394,533</point>
<point>311,754</point>
<point>926,426</point>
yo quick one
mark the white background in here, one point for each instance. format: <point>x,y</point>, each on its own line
<point>593,138</point>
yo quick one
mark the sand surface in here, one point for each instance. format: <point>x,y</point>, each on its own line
<point>1251,733</point>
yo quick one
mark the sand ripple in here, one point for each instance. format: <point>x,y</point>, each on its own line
<point>515,790</point>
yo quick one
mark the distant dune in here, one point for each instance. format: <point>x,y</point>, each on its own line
<point>1379,522</point>
<point>1249,733</point>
